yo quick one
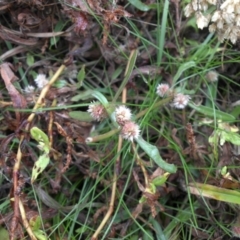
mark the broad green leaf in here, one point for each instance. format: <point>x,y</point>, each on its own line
<point>236,111</point>
<point>30,59</point>
<point>153,153</point>
<point>60,83</point>
<point>210,112</point>
<point>40,235</point>
<point>35,223</point>
<point>41,138</point>
<point>182,69</point>
<point>81,116</point>
<point>142,6</point>
<point>4,234</point>
<point>83,95</point>
<point>39,166</point>
<point>160,180</point>
<point>82,229</point>
<point>231,137</point>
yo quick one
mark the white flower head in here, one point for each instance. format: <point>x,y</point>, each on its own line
<point>213,2</point>
<point>202,21</point>
<point>216,16</point>
<point>212,76</point>
<point>123,114</point>
<point>188,10</point>
<point>212,28</point>
<point>29,89</point>
<point>130,131</point>
<point>163,89</point>
<point>41,80</point>
<point>180,100</point>
<point>97,111</point>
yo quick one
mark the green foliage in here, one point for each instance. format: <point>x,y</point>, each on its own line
<point>44,145</point>
<point>142,6</point>
<point>153,153</point>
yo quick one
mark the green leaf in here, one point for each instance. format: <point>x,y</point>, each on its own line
<point>100,97</point>
<point>58,27</point>
<point>60,83</point>
<point>213,192</point>
<point>39,166</point>
<point>236,111</point>
<point>182,69</point>
<point>210,112</point>
<point>4,234</point>
<point>117,72</point>
<point>153,153</point>
<point>231,137</point>
<point>30,59</point>
<point>83,95</point>
<point>41,138</point>
<point>81,76</point>
<point>81,116</point>
<point>35,223</point>
<point>40,235</point>
<point>142,6</point>
<point>157,228</point>
<point>160,180</point>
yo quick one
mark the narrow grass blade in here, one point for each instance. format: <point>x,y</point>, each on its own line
<point>159,233</point>
<point>213,192</point>
<point>129,69</point>
<point>162,28</point>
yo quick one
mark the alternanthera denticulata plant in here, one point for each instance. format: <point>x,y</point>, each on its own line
<point>222,17</point>
<point>129,130</point>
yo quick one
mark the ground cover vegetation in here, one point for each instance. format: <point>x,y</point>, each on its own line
<point>119,119</point>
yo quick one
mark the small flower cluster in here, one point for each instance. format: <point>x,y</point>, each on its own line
<point>41,81</point>
<point>129,129</point>
<point>97,111</point>
<point>180,100</point>
<point>225,19</point>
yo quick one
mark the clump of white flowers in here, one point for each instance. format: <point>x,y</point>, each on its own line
<point>212,76</point>
<point>224,19</point>
<point>163,89</point>
<point>41,81</point>
<point>129,129</point>
<point>180,100</point>
<point>29,89</point>
<point>123,114</point>
<point>97,111</point>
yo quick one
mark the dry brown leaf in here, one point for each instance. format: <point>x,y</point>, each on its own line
<point>8,77</point>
